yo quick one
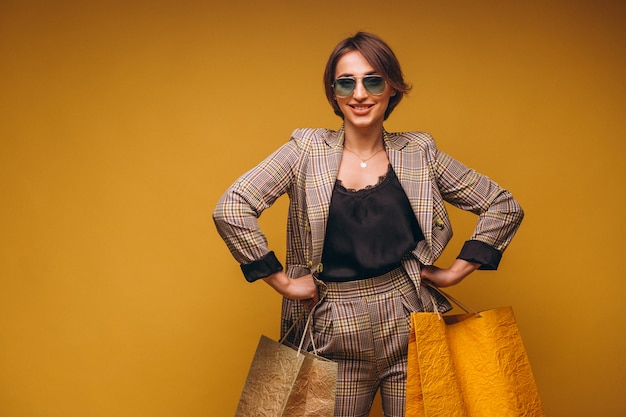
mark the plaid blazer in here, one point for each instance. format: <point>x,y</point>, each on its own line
<point>306,169</point>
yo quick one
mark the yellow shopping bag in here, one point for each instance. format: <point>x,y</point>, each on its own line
<point>469,365</point>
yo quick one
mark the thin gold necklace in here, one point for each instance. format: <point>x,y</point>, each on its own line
<point>363,161</point>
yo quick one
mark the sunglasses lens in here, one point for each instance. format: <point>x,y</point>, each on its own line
<point>374,84</point>
<point>344,86</point>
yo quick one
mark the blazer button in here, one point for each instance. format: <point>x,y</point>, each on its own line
<point>439,224</point>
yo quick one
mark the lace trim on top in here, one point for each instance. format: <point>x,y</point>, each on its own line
<point>381,180</point>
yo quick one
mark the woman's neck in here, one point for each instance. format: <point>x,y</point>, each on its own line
<point>363,140</point>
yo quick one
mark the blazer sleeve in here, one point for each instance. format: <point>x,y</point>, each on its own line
<point>236,213</point>
<point>499,214</point>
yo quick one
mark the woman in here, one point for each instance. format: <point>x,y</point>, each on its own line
<point>366,223</point>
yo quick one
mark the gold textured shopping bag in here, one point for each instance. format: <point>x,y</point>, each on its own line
<point>270,380</point>
<point>469,365</point>
<point>287,381</point>
<point>313,393</point>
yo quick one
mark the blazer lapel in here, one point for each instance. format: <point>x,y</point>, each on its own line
<point>324,161</point>
<point>409,165</point>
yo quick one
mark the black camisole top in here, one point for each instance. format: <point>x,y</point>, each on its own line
<point>368,230</point>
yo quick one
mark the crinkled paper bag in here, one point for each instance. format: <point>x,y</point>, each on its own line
<point>270,380</point>
<point>314,391</point>
<point>469,366</point>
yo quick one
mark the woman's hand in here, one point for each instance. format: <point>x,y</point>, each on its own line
<point>302,288</point>
<point>440,277</point>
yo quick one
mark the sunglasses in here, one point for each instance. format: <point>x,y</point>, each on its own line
<point>344,86</point>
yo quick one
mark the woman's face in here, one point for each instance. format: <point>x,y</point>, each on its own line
<point>361,109</point>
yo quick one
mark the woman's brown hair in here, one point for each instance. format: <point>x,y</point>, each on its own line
<point>379,55</point>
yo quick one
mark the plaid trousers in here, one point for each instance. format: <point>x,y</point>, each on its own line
<point>364,326</point>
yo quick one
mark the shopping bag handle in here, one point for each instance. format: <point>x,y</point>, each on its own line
<point>464,307</point>
<point>307,327</point>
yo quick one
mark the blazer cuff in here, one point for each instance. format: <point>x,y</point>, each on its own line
<point>479,252</point>
<point>261,268</point>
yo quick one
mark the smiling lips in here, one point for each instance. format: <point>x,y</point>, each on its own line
<point>361,108</point>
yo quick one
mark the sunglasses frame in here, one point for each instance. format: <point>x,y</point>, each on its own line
<point>363,79</point>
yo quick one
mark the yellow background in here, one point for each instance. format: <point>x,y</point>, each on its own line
<point>122,122</point>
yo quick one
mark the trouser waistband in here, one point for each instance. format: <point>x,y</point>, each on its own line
<point>393,280</point>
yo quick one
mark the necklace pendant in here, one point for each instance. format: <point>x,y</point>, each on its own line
<point>363,164</point>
